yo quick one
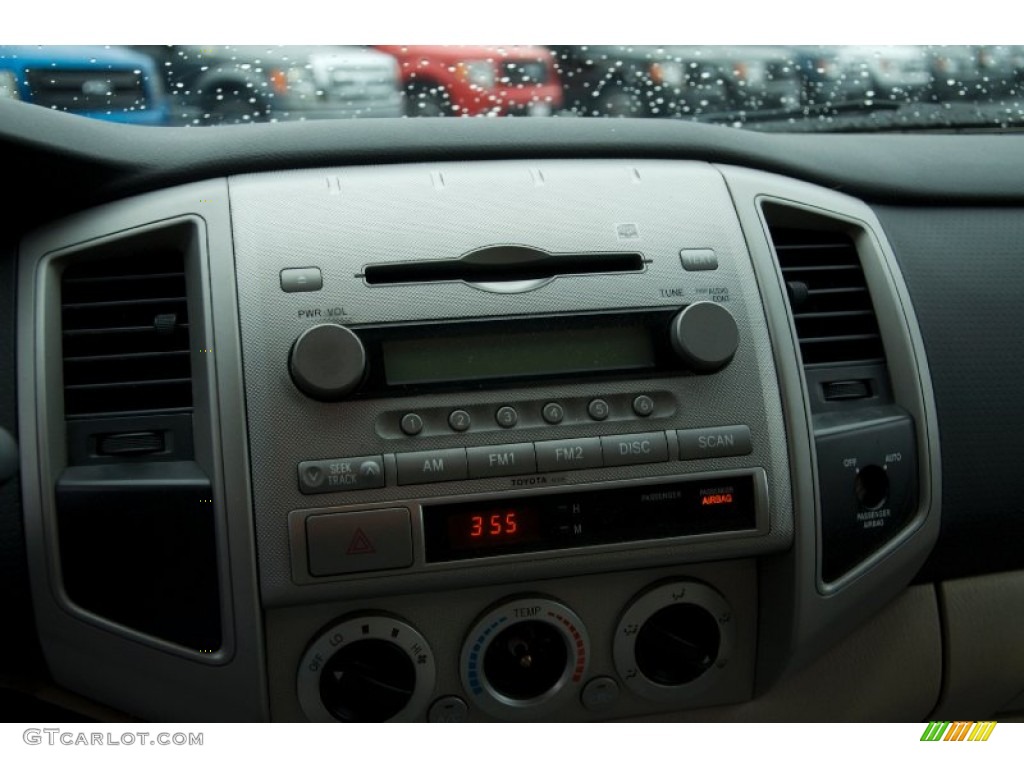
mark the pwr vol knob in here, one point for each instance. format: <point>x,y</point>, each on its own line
<point>525,658</point>
<point>366,669</point>
<point>327,362</point>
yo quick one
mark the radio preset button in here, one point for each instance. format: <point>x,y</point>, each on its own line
<point>431,466</point>
<point>643,405</point>
<point>582,453</point>
<point>642,448</point>
<point>356,473</point>
<point>459,420</point>
<point>553,413</point>
<point>350,542</point>
<point>501,460</point>
<point>598,409</point>
<point>506,416</point>
<point>712,442</point>
<point>411,424</point>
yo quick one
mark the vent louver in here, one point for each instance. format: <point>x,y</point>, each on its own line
<point>835,320</point>
<point>125,335</point>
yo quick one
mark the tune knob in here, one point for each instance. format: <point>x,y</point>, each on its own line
<point>327,362</point>
<point>705,336</point>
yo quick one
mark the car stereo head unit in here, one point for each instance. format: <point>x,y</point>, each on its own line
<point>580,370</point>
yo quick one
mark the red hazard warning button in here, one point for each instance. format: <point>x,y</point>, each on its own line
<point>350,542</point>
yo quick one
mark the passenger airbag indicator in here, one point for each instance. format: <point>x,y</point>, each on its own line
<point>540,522</point>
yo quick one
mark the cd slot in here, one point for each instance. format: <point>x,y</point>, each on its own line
<point>500,264</point>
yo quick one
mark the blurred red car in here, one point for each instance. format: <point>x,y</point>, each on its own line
<point>477,79</point>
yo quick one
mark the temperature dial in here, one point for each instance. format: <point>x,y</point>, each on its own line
<point>673,640</point>
<point>524,658</point>
<point>366,669</point>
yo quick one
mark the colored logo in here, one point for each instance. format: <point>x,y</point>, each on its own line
<point>958,731</point>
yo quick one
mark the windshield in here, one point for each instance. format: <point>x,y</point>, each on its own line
<point>771,88</point>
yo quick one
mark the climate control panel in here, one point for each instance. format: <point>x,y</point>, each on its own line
<point>595,647</point>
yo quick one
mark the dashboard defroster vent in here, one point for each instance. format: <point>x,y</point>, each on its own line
<point>835,320</point>
<point>125,335</point>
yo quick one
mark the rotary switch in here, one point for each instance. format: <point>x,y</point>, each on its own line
<point>704,335</point>
<point>328,362</point>
<point>366,669</point>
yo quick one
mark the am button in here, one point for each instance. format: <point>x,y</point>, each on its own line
<point>431,466</point>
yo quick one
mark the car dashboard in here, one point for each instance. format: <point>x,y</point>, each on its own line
<point>530,420</point>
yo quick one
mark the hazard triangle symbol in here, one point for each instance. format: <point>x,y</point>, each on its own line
<point>361,544</point>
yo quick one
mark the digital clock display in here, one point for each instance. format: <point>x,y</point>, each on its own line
<point>577,517</point>
<point>497,527</point>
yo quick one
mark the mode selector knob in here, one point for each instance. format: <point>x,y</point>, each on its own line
<point>705,336</point>
<point>328,362</point>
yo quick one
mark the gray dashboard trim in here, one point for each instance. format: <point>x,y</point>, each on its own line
<point>123,160</point>
<point>822,614</point>
<point>87,653</point>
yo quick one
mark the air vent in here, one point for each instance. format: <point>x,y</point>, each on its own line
<point>125,335</point>
<point>835,320</point>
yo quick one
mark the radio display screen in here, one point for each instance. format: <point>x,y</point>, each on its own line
<point>517,354</point>
<point>464,530</point>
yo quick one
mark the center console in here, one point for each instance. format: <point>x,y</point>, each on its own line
<point>512,440</point>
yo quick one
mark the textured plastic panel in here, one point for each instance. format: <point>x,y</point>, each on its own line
<point>887,670</point>
<point>138,673</point>
<point>446,619</point>
<point>809,615</point>
<point>343,219</point>
<point>963,269</point>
